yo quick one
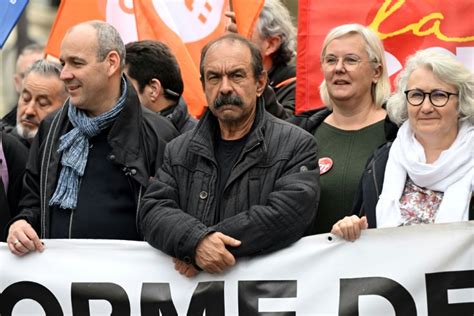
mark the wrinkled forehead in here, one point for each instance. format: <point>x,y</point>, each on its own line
<point>227,52</point>
<point>35,81</point>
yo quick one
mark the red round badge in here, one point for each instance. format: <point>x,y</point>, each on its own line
<point>325,164</point>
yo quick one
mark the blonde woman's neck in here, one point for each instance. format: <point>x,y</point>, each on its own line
<point>355,118</point>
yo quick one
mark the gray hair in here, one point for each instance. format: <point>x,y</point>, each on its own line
<point>375,50</point>
<point>275,20</point>
<point>46,68</point>
<point>108,39</point>
<point>447,69</point>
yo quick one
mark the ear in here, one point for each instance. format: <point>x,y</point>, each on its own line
<point>261,83</point>
<point>17,80</point>
<point>271,45</point>
<point>377,73</point>
<point>113,61</point>
<point>155,89</point>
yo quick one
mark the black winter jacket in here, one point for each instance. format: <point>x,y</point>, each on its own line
<point>16,155</point>
<point>178,115</point>
<point>371,183</point>
<point>138,138</point>
<point>268,201</point>
<point>272,105</point>
<point>282,78</point>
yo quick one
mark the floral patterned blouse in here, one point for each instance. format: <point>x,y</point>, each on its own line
<point>419,205</point>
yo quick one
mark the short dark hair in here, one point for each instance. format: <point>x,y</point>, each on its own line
<point>256,57</point>
<point>149,59</point>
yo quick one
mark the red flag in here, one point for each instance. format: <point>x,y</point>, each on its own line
<point>405,26</point>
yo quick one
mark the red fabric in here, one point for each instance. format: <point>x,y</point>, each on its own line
<point>420,24</point>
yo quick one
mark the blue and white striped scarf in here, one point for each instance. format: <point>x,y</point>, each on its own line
<point>75,148</point>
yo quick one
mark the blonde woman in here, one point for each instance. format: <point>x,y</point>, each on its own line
<point>353,124</point>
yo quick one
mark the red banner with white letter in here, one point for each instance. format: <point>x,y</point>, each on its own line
<point>405,26</point>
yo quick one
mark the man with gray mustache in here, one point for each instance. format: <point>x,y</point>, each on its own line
<point>42,93</point>
<point>242,183</point>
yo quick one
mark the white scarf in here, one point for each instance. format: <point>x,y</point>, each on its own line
<point>452,173</point>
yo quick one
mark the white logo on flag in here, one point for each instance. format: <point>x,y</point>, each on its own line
<point>120,14</point>
<point>192,20</point>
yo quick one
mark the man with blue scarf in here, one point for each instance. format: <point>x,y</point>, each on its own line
<point>91,160</point>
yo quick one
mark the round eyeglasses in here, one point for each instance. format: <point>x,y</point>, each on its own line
<point>438,98</point>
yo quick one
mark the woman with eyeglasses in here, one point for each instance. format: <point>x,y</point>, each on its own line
<point>354,123</point>
<point>427,174</point>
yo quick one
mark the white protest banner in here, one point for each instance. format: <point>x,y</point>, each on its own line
<point>417,270</point>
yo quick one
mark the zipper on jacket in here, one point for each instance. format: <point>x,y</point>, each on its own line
<point>72,214</point>
<point>43,191</point>
<point>128,175</point>
<point>70,224</point>
<point>375,179</point>
<point>208,203</point>
<point>137,224</point>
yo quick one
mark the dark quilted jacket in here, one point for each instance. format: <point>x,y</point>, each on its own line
<point>268,202</point>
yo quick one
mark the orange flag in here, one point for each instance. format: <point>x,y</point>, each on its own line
<point>185,26</point>
<point>246,15</point>
<point>150,25</point>
<point>72,12</point>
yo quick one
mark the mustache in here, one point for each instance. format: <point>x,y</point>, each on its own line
<point>227,99</point>
<point>30,119</point>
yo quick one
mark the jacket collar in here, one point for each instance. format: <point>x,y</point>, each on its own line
<point>177,113</point>
<point>281,72</point>
<point>124,137</point>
